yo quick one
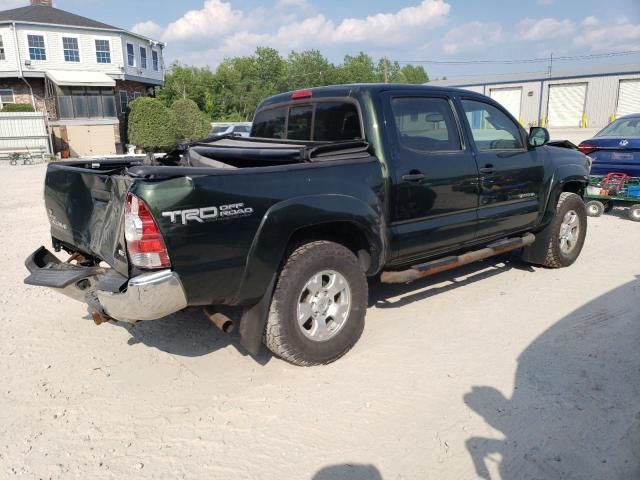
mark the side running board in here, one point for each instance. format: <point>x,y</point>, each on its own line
<point>448,263</point>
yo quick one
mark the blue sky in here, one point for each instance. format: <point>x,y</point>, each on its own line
<point>203,32</point>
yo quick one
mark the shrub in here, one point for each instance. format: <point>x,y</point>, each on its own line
<point>18,107</point>
<point>151,125</point>
<point>191,123</point>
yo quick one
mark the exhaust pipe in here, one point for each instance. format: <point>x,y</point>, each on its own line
<point>220,320</point>
<point>99,318</point>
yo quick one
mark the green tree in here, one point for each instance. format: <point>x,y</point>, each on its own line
<point>151,125</point>
<point>309,69</point>
<point>357,69</point>
<point>191,123</point>
<point>414,74</point>
<point>194,83</point>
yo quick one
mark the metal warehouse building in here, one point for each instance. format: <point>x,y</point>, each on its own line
<point>563,100</point>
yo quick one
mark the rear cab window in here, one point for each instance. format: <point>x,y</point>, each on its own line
<point>425,124</point>
<point>320,121</point>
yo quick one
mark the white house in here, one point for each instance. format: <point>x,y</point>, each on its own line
<point>82,73</point>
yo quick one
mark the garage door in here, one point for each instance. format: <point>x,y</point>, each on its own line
<point>628,97</point>
<point>509,98</point>
<point>566,105</point>
<point>88,140</point>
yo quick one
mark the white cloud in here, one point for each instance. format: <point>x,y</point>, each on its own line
<point>590,22</point>
<point>471,37</point>
<point>545,28</point>
<point>148,29</point>
<point>289,24</point>
<point>215,18</point>
<point>603,38</point>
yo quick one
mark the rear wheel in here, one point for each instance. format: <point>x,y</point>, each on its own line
<point>634,212</point>
<point>595,208</point>
<point>318,306</point>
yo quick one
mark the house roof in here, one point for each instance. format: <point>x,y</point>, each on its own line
<point>51,16</point>
<point>45,15</point>
<point>496,79</point>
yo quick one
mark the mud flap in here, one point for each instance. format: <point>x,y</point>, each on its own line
<point>254,319</point>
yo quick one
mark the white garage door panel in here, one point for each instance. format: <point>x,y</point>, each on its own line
<point>628,97</point>
<point>566,105</point>
<point>509,98</point>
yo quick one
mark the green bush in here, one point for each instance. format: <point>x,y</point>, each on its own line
<point>18,107</point>
<point>191,123</point>
<point>151,125</point>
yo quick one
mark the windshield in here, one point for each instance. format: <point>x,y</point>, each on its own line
<point>216,130</point>
<point>624,127</point>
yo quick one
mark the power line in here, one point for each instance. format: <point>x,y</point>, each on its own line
<point>521,61</point>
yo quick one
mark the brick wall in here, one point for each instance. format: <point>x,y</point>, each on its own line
<point>21,91</point>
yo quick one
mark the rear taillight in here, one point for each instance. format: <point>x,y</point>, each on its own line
<point>144,241</point>
<point>587,148</point>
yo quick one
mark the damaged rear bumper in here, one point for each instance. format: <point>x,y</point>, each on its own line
<point>148,296</point>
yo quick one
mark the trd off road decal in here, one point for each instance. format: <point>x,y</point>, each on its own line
<point>204,214</point>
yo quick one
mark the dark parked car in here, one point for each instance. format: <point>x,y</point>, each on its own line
<point>344,183</point>
<point>616,148</point>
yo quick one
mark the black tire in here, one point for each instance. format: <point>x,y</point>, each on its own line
<point>546,250</point>
<point>634,212</point>
<point>595,208</point>
<point>284,336</point>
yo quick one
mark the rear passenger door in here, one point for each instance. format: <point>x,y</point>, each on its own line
<point>511,174</point>
<point>435,192</point>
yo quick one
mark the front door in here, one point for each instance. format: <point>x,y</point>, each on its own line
<point>511,174</point>
<point>435,191</point>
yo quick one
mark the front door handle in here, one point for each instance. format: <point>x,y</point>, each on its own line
<point>413,177</point>
<point>488,169</point>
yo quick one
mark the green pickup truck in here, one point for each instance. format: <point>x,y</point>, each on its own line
<point>280,231</point>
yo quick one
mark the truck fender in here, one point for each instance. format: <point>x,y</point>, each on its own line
<point>562,176</point>
<point>284,219</point>
<point>269,247</point>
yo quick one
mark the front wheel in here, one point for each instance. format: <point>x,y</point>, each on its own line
<point>634,212</point>
<point>318,306</point>
<point>561,242</point>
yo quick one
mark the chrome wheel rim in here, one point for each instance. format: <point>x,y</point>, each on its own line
<point>569,231</point>
<point>635,213</point>
<point>324,305</point>
<point>593,209</point>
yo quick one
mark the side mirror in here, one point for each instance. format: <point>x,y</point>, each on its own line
<point>538,136</point>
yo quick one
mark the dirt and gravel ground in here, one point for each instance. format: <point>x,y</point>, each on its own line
<point>495,371</point>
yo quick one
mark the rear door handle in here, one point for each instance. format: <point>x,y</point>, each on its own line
<point>488,169</point>
<point>413,177</point>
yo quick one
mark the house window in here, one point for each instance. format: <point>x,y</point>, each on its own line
<point>131,55</point>
<point>143,57</point>
<point>154,60</point>
<point>6,96</point>
<point>2,54</point>
<point>71,50</point>
<point>87,102</point>
<point>37,49</point>
<point>137,95</point>
<point>124,101</point>
<point>103,51</point>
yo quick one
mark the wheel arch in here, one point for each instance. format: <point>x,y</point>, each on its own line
<point>339,218</point>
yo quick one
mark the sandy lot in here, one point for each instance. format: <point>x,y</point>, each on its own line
<point>499,370</point>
